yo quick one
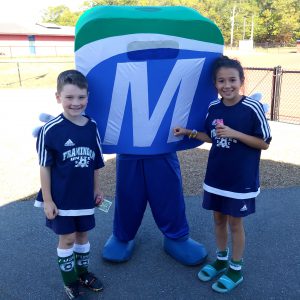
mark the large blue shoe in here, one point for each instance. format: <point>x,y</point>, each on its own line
<point>185,250</point>
<point>116,251</point>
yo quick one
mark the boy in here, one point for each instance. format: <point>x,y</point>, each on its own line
<point>70,158</point>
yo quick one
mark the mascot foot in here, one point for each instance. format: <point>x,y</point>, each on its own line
<point>185,250</point>
<point>116,251</point>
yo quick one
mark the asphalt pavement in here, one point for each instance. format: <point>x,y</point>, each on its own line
<point>271,262</point>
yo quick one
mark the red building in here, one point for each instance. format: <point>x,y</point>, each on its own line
<point>38,39</point>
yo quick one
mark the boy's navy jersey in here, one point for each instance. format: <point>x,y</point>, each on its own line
<point>233,167</point>
<point>73,153</point>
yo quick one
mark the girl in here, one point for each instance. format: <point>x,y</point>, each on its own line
<point>238,130</point>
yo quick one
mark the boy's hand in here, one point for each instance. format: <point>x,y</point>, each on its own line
<point>50,210</point>
<point>99,199</point>
<point>179,131</point>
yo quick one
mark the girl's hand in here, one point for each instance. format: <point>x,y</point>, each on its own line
<point>224,131</point>
<point>179,131</point>
<point>99,198</point>
<point>50,210</point>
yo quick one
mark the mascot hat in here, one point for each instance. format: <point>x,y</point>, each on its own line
<point>149,70</point>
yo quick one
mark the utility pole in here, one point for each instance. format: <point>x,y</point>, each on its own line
<point>232,27</point>
<point>252,28</point>
<point>244,28</point>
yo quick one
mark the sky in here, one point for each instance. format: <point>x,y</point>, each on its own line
<point>30,11</point>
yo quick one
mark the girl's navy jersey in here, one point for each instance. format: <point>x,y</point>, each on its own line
<point>73,153</point>
<point>233,167</point>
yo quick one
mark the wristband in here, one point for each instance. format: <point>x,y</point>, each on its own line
<point>193,134</point>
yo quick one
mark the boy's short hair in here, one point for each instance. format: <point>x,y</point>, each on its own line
<point>71,77</point>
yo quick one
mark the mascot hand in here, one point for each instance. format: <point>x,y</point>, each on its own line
<point>258,96</point>
<point>43,117</point>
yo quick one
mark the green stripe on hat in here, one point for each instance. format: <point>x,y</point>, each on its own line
<point>107,21</point>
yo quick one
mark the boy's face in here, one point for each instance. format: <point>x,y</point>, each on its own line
<point>73,100</point>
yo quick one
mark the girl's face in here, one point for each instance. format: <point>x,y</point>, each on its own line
<point>228,84</point>
<point>73,100</point>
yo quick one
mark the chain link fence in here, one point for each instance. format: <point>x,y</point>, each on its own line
<point>279,87</point>
<point>28,74</point>
<point>279,90</point>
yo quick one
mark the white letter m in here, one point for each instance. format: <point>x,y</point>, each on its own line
<point>185,74</point>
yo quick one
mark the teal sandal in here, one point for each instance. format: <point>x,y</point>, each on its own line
<point>208,272</point>
<point>227,283</point>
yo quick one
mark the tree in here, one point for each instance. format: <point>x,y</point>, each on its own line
<point>92,3</point>
<point>60,15</point>
<point>274,20</point>
<point>279,21</point>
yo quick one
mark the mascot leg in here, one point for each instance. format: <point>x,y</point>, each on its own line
<point>167,204</point>
<point>130,205</point>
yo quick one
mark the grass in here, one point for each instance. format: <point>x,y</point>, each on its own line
<point>286,60</point>
<point>41,72</point>
<point>28,72</point>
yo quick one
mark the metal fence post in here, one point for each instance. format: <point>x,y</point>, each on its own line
<point>276,90</point>
<point>19,74</point>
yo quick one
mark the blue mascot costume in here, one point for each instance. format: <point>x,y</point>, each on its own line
<point>149,70</point>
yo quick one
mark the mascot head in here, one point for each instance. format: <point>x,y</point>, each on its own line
<point>149,70</point>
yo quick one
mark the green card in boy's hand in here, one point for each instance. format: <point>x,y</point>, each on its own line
<point>105,205</point>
